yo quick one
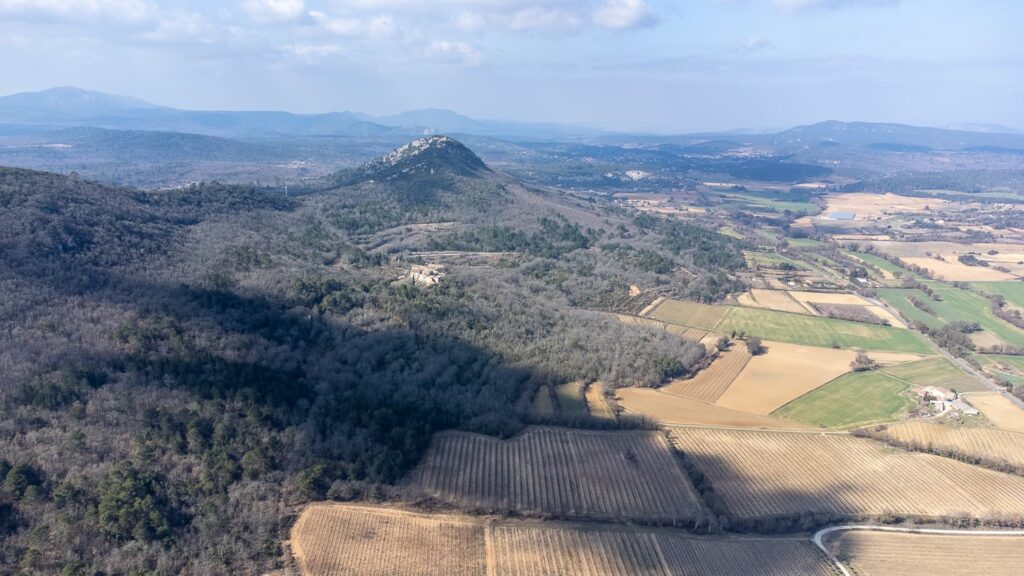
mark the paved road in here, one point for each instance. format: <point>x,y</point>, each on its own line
<point>820,535</point>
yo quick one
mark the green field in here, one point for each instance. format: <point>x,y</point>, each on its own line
<point>989,362</point>
<point>881,263</point>
<point>790,328</point>
<point>955,304</point>
<point>856,399</point>
<point>898,298</point>
<point>821,332</point>
<point>1012,291</point>
<point>935,372</point>
<point>777,205</point>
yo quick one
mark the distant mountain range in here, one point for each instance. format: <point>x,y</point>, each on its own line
<point>73,107</point>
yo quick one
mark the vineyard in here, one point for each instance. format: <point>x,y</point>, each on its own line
<point>525,550</point>
<point>757,475</point>
<point>560,472</point>
<point>341,540</point>
<point>884,553</point>
<point>985,444</point>
<point>709,384</point>
<point>350,540</point>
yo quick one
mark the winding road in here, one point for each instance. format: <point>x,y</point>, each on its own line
<point>819,536</point>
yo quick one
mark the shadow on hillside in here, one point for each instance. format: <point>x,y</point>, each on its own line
<point>368,400</point>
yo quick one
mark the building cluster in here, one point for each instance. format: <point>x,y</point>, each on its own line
<point>946,400</point>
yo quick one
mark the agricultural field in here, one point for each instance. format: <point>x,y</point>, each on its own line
<point>710,383</point>
<point>888,270</point>
<point>790,328</point>
<point>868,206</point>
<point>772,300</point>
<point>671,410</point>
<point>759,474</point>
<point>347,540</point>
<point>990,445</point>
<point>560,472</point>
<point>543,404</point>
<point>1000,412</point>
<point>691,314</point>
<point>872,553</point>
<point>820,332</point>
<point>522,549</point>
<point>351,540</point>
<point>805,243</point>
<point>1013,292</point>
<point>955,305</point>
<point>569,399</point>
<point>694,334</point>
<point>597,402</point>
<point>935,372</point>
<point>783,373</point>
<point>856,399</point>
<point>1010,368</point>
<point>927,254</point>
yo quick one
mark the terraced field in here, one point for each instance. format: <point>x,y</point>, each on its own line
<point>790,328</point>
<point>988,444</point>
<point>709,384</point>
<point>560,472</point>
<point>885,553</point>
<point>760,474</point>
<point>349,540</point>
<point>344,540</point>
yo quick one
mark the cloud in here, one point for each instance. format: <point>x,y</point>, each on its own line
<point>313,51</point>
<point>625,14</point>
<point>275,10</point>
<point>755,43</point>
<point>459,52</point>
<point>803,5</point>
<point>380,26</point>
<point>118,9</point>
<point>538,18</point>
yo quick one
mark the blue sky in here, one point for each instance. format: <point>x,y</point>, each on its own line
<point>658,65</point>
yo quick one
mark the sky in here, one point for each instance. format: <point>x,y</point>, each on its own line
<point>641,65</point>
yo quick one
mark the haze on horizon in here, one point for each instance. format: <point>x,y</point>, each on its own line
<point>650,65</point>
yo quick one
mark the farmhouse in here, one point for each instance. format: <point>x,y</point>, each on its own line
<point>847,216</point>
<point>937,393</point>
<point>427,274</point>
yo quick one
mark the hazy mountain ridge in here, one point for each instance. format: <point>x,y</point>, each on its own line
<point>75,107</point>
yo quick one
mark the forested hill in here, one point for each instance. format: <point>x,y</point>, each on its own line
<point>180,368</point>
